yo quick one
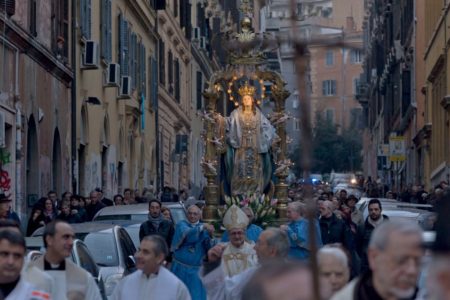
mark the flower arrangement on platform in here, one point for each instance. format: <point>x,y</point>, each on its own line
<point>262,206</point>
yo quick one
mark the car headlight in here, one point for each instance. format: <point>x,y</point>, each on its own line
<point>111,282</point>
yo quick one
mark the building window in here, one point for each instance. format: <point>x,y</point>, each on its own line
<point>356,56</point>
<point>60,27</point>
<point>329,60</point>
<point>329,87</point>
<point>32,27</point>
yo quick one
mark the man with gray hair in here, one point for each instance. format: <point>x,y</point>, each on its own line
<point>334,266</point>
<point>394,254</point>
<point>297,231</point>
<point>273,244</point>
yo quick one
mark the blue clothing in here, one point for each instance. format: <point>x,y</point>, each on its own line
<point>190,244</point>
<point>252,233</point>
<point>13,216</point>
<point>299,238</point>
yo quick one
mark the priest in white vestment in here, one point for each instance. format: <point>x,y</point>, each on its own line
<point>70,280</point>
<point>151,280</point>
<point>239,254</point>
<point>272,244</point>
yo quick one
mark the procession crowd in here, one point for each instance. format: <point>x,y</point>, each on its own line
<point>357,258</point>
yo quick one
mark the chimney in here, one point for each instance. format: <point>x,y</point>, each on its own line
<point>350,24</point>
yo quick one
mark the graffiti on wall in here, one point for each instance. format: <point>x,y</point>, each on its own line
<point>5,180</point>
<point>113,177</point>
<point>46,178</point>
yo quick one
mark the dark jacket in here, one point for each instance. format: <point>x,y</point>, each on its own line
<point>362,242</point>
<point>165,229</point>
<point>34,224</point>
<point>91,210</point>
<point>70,218</point>
<point>334,230</point>
<point>361,289</point>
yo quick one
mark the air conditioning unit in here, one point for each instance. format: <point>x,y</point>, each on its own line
<point>125,87</point>
<point>202,42</point>
<point>2,130</point>
<point>112,75</point>
<point>90,55</point>
<point>197,33</point>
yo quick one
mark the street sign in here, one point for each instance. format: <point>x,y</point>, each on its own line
<point>397,148</point>
<point>383,150</point>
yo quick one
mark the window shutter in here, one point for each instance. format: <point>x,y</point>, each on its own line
<point>108,30</point>
<point>126,47</point>
<point>154,82</point>
<point>170,66</point>
<point>162,57</point>
<point>324,88</point>
<point>103,30</point>
<point>132,57</point>
<point>135,62</point>
<point>89,19</point>
<point>143,70</point>
<point>121,45</point>
<point>83,17</point>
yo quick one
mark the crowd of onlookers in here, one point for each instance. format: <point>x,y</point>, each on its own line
<point>74,208</point>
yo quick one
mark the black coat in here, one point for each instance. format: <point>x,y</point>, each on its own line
<point>365,290</point>
<point>165,229</point>
<point>362,242</point>
<point>334,230</point>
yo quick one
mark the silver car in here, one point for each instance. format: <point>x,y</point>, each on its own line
<point>138,212</point>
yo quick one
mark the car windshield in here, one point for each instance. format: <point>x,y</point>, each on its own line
<point>177,213</point>
<point>103,248</point>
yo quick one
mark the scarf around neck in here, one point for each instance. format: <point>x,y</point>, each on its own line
<point>155,221</point>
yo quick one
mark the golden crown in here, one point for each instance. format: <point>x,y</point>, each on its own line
<point>247,90</point>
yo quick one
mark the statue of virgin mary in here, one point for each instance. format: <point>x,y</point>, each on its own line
<point>249,136</point>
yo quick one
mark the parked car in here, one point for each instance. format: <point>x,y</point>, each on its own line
<point>389,203</point>
<point>394,209</point>
<point>111,247</point>
<point>81,256</point>
<point>138,212</point>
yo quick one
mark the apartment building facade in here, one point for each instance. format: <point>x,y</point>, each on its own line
<point>34,101</point>
<point>116,71</point>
